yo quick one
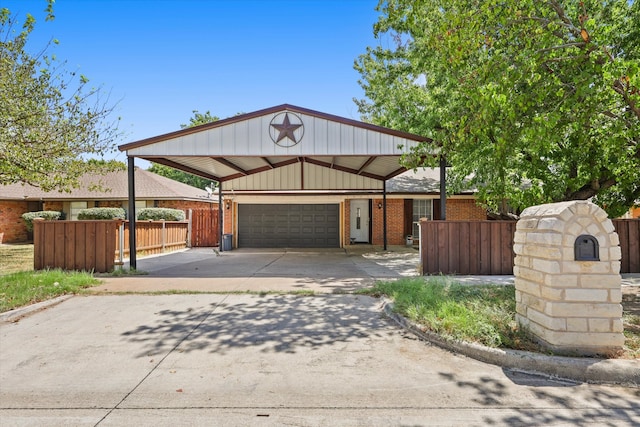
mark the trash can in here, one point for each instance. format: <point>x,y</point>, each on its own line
<point>409,240</point>
<point>227,242</point>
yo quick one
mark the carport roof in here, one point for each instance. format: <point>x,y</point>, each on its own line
<point>278,137</point>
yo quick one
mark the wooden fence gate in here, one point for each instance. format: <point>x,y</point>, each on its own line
<point>205,231</point>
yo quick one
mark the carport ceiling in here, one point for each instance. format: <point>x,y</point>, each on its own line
<point>278,137</point>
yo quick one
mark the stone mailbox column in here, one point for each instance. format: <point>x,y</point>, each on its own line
<point>567,277</point>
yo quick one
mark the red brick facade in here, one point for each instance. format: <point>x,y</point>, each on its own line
<point>457,209</point>
<point>465,209</point>
<point>12,226</point>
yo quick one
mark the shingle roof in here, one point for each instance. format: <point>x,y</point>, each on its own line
<point>149,186</point>
<point>423,180</point>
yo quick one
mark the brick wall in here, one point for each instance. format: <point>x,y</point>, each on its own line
<point>12,226</point>
<point>109,204</point>
<point>52,206</point>
<point>465,209</point>
<point>395,222</point>
<point>183,204</point>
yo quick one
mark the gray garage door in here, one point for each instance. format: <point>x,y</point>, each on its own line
<point>288,226</point>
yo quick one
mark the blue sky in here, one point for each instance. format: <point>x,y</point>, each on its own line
<point>162,59</point>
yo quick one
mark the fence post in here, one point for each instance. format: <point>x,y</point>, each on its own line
<point>189,230</point>
<point>121,244</point>
<point>164,235</point>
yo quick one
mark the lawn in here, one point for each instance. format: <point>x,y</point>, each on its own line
<point>481,314</point>
<point>20,285</point>
<point>15,257</point>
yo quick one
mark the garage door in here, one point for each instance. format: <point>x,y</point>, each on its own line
<point>288,226</point>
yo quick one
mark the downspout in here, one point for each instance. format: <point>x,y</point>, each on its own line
<point>132,214</point>
<point>384,213</point>
<point>443,188</point>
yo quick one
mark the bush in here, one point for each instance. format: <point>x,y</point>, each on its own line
<point>48,215</point>
<point>158,214</point>
<point>102,213</point>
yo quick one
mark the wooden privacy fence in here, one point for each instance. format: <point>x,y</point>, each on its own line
<point>153,237</point>
<point>467,247</point>
<point>74,245</point>
<point>629,233</point>
<point>204,228</point>
<point>95,245</point>
<point>486,247</point>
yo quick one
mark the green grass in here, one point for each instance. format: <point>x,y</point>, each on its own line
<point>29,287</point>
<point>15,257</point>
<point>483,314</point>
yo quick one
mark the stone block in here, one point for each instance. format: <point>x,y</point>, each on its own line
<point>544,252</point>
<point>533,302</point>
<point>519,237</point>
<point>587,267</point>
<point>584,221</point>
<point>600,325</point>
<point>552,224</point>
<point>593,229</point>
<point>574,229</point>
<point>598,213</point>
<point>527,224</point>
<point>548,322</point>
<point>527,286</point>
<point>615,253</point>
<point>553,294</point>
<point>608,226</point>
<point>546,266</point>
<point>603,281</point>
<point>561,280</point>
<point>518,248</point>
<point>617,326</point>
<point>523,261</point>
<point>550,239</point>
<point>582,309</point>
<point>530,275</point>
<point>577,324</point>
<point>614,239</point>
<point>615,296</point>
<point>582,208</point>
<point>591,341</point>
<point>587,295</point>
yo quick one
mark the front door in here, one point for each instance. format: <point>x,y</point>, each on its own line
<point>359,221</point>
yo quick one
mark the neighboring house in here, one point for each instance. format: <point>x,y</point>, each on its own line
<point>294,177</point>
<point>111,190</point>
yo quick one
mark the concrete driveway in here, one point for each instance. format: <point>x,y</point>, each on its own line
<point>318,270</point>
<point>265,359</point>
<point>166,360</point>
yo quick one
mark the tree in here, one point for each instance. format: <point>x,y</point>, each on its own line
<point>530,101</point>
<point>50,118</point>
<point>178,175</point>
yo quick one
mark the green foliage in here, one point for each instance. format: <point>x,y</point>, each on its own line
<point>534,101</point>
<point>484,314</point>
<point>29,287</point>
<point>158,214</point>
<point>200,119</point>
<point>101,213</point>
<point>28,217</point>
<point>50,117</point>
<point>180,176</point>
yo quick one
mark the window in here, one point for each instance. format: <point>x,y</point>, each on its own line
<point>74,208</point>
<point>421,209</point>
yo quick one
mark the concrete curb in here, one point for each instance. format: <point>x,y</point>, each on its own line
<point>19,313</point>
<point>581,369</point>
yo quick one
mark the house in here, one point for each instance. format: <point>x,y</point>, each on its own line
<point>108,190</point>
<point>294,177</point>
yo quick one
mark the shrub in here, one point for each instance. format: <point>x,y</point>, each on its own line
<point>48,215</point>
<point>158,214</point>
<point>102,213</point>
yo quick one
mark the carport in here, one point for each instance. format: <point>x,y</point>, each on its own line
<point>284,174</point>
